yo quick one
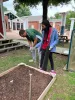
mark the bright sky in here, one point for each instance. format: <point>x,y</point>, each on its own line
<point>38,10</point>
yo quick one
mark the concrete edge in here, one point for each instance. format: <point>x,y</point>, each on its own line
<point>65,68</point>
<point>61,53</point>
<point>26,45</point>
<point>69,69</point>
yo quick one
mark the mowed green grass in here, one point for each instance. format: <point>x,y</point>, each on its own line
<point>64,86</point>
<point>13,58</point>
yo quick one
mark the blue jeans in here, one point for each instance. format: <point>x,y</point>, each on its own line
<point>34,54</point>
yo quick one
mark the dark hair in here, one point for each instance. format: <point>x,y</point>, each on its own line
<point>21,32</point>
<point>46,23</point>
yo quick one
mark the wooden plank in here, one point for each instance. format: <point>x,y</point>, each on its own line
<point>8,43</point>
<point>10,48</point>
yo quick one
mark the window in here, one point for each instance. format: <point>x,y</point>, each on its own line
<point>18,26</point>
<point>14,28</point>
<point>21,25</point>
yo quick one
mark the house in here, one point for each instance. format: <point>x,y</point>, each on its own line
<point>33,21</point>
<point>12,21</point>
<point>56,23</point>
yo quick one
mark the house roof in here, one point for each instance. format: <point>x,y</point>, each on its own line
<point>10,15</point>
<point>15,17</point>
<point>32,18</point>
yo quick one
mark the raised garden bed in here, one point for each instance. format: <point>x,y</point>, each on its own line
<point>15,83</point>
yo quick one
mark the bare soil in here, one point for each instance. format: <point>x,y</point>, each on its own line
<point>15,84</point>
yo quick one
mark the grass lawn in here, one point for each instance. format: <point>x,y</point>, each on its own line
<point>62,89</point>
<point>64,45</point>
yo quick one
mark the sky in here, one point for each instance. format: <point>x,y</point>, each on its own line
<point>38,9</point>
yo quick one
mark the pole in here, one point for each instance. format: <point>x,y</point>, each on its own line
<point>70,50</point>
<point>30,87</point>
<point>63,23</point>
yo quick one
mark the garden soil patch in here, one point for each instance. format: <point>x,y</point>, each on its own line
<point>14,85</point>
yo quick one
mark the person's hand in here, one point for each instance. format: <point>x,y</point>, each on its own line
<point>50,48</point>
<point>32,48</point>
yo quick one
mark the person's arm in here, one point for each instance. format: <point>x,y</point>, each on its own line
<point>38,44</point>
<point>35,41</point>
<point>55,41</point>
<point>30,43</point>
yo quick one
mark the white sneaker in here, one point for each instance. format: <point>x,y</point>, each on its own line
<point>31,60</point>
<point>53,73</point>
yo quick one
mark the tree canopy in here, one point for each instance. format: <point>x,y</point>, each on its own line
<point>57,16</point>
<point>45,4</point>
<point>35,2</point>
<point>22,10</point>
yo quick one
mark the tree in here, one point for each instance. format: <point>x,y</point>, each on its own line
<point>70,14</point>
<point>45,4</point>
<point>23,10</point>
<point>5,9</point>
<point>57,16</point>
